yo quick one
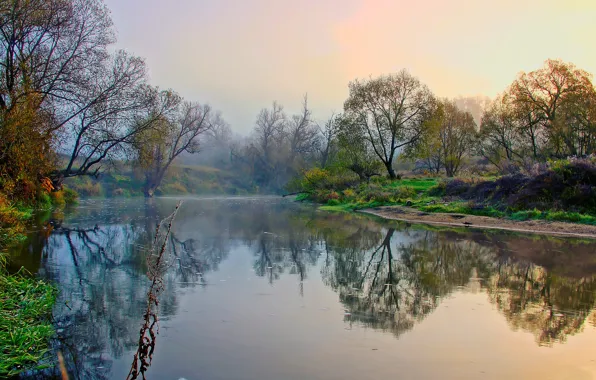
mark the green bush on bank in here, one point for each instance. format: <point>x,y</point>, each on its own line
<point>564,191</point>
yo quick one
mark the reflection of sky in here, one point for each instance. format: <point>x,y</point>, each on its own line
<point>235,324</point>
<point>244,328</point>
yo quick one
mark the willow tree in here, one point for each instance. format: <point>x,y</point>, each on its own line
<point>169,136</point>
<point>391,111</point>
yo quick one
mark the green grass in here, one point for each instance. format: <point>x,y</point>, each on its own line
<point>25,327</point>
<point>25,303</point>
<point>418,184</point>
<point>555,216</point>
<point>422,194</point>
<point>12,220</point>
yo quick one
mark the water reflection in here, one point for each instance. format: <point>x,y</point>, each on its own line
<point>388,276</point>
<point>403,279</point>
<point>549,306</point>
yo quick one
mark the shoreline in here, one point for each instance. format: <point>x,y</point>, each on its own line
<point>411,215</point>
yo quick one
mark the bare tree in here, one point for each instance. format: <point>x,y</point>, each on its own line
<point>499,138</point>
<point>302,133</point>
<point>328,135</point>
<point>50,45</point>
<point>392,111</point>
<point>105,115</point>
<point>269,130</point>
<point>157,147</point>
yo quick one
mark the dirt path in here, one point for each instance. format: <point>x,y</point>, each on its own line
<point>532,226</point>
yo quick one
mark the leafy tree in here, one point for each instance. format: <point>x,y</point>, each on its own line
<point>353,151</point>
<point>539,98</point>
<point>47,50</point>
<point>391,112</point>
<point>457,130</point>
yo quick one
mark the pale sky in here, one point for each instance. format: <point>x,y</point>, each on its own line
<point>240,55</point>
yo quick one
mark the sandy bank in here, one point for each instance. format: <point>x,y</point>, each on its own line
<point>531,226</point>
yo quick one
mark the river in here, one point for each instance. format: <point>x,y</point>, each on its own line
<point>267,289</point>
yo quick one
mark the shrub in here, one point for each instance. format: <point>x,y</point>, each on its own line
<point>70,196</point>
<point>58,198</point>
<point>44,200</point>
<point>86,187</point>
<point>377,195</point>
<point>404,192</point>
<point>438,190</point>
<point>456,187</point>
<point>349,193</point>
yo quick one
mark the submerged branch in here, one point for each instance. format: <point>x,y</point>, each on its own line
<point>157,268</point>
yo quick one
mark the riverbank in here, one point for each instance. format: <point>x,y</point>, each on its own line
<point>25,302</point>
<point>407,214</point>
<point>560,196</point>
<point>25,322</point>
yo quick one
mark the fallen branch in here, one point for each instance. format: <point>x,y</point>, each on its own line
<point>157,268</point>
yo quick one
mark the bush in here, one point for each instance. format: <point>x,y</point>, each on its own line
<point>333,202</point>
<point>456,187</point>
<point>349,193</point>
<point>58,198</point>
<point>322,179</point>
<point>44,200</point>
<point>86,187</point>
<point>438,190</point>
<point>71,197</point>
<point>560,185</point>
<point>404,192</point>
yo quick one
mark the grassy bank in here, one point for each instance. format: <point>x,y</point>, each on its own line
<point>25,327</point>
<point>566,192</point>
<point>25,302</point>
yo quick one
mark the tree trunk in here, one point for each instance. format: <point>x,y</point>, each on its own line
<point>57,181</point>
<point>149,190</point>
<point>390,170</point>
<point>449,171</point>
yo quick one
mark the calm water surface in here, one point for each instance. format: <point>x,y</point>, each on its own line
<point>266,289</point>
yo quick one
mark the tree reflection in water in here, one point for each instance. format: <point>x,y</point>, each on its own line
<point>549,306</point>
<point>388,276</point>
<point>398,283</point>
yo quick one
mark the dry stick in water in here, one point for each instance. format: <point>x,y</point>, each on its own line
<point>63,370</point>
<point>157,267</point>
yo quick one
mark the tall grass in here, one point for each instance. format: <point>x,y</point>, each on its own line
<point>25,327</point>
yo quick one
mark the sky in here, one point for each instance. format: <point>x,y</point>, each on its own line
<point>241,55</point>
